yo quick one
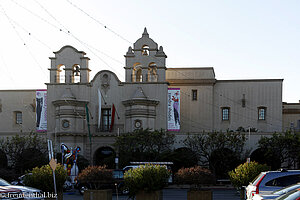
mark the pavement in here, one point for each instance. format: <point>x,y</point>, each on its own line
<point>170,194</point>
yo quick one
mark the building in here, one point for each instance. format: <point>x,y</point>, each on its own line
<point>142,101</point>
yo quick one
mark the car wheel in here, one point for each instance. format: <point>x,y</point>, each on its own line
<point>82,189</point>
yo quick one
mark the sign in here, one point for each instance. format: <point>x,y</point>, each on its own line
<point>53,164</point>
<point>41,110</point>
<point>173,115</point>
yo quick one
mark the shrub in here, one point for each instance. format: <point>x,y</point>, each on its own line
<point>96,177</point>
<point>42,178</point>
<point>196,176</point>
<point>245,173</point>
<point>147,178</point>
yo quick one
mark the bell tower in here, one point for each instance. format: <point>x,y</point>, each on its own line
<point>69,66</point>
<point>145,62</point>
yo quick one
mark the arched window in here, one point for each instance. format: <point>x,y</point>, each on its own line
<point>137,73</point>
<point>152,73</point>
<point>76,74</point>
<point>60,74</point>
<point>145,50</point>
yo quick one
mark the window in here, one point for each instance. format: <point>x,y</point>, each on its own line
<point>262,113</point>
<point>194,95</point>
<point>225,114</point>
<point>284,181</point>
<point>18,117</point>
<point>105,119</point>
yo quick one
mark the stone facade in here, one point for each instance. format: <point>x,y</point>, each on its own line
<point>207,104</point>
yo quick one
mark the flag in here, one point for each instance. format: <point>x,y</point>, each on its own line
<point>112,118</point>
<point>99,109</point>
<point>88,121</point>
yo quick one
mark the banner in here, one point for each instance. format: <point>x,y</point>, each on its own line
<point>99,108</point>
<point>41,110</point>
<point>173,109</point>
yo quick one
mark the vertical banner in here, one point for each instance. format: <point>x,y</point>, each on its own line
<point>99,108</point>
<point>173,109</point>
<point>41,110</point>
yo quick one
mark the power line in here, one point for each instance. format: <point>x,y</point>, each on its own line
<point>100,23</point>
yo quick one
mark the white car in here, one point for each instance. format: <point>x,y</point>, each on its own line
<point>29,193</point>
<point>276,193</point>
<point>267,182</point>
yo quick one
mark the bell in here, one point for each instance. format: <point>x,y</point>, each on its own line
<point>145,53</point>
<point>77,70</point>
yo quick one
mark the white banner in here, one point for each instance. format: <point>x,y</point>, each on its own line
<point>41,110</point>
<point>173,109</point>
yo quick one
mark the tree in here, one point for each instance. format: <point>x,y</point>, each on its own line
<point>284,146</point>
<point>25,152</point>
<point>211,147</point>
<point>143,145</point>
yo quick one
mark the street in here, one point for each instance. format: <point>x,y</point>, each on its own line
<point>169,194</point>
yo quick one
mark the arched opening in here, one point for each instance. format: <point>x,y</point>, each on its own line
<point>145,50</point>
<point>3,158</point>
<point>137,73</point>
<point>152,73</point>
<point>60,74</point>
<point>76,74</point>
<point>222,161</point>
<point>263,157</point>
<point>105,156</point>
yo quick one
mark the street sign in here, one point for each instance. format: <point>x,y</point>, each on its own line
<point>53,164</point>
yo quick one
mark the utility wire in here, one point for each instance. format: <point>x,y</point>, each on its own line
<point>100,23</point>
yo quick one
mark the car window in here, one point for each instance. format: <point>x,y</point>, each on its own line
<point>284,181</point>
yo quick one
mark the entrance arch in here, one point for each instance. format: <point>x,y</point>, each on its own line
<point>105,156</point>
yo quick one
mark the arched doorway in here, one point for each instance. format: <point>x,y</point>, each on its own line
<point>105,156</point>
<point>262,157</point>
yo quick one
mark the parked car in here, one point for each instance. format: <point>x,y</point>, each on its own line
<point>20,181</point>
<point>276,193</point>
<point>267,182</point>
<point>29,193</point>
<point>117,185</point>
<point>10,193</point>
<point>292,195</point>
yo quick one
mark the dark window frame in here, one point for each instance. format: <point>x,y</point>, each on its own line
<point>105,119</point>
<point>262,113</point>
<point>18,117</point>
<point>194,95</point>
<point>225,113</point>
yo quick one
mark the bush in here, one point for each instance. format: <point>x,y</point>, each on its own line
<point>42,178</point>
<point>147,178</point>
<point>245,173</point>
<point>96,177</point>
<point>196,176</point>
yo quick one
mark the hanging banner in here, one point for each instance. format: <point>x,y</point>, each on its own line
<point>41,110</point>
<point>173,109</point>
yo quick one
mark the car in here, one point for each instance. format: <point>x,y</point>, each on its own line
<point>276,193</point>
<point>10,193</point>
<point>267,182</point>
<point>29,193</point>
<point>292,195</point>
<point>117,185</point>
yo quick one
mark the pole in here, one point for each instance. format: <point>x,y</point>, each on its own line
<point>50,151</point>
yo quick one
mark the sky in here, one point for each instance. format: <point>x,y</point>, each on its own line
<point>240,39</point>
